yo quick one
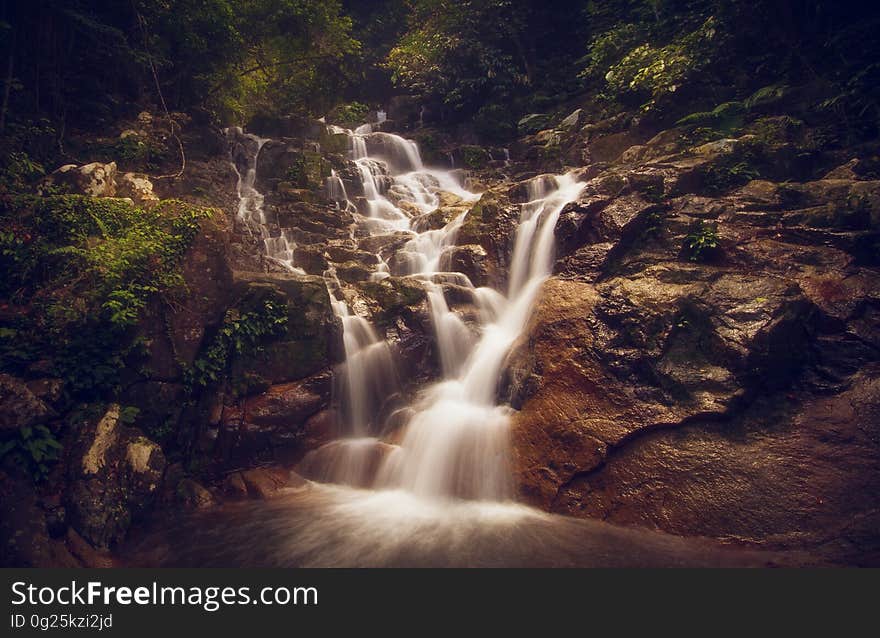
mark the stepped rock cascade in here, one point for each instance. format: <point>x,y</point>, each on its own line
<point>245,149</point>
<point>455,443</point>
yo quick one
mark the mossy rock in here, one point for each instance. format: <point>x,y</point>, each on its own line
<point>309,342</point>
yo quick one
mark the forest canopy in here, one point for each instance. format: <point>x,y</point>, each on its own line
<point>487,62</point>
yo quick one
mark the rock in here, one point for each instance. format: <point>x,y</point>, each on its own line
<point>311,259</point>
<point>788,473</point>
<point>287,405</point>
<point>532,123</point>
<point>470,259</point>
<point>235,487</point>
<point>341,254</point>
<point>24,538</point>
<point>572,121</point>
<point>49,390</point>
<point>137,187</point>
<point>264,483</point>
<point>95,179</point>
<point>470,156</point>
<point>352,462</point>
<point>179,334</point>
<point>602,363</point>
<point>85,553</point>
<point>193,496</point>
<point>21,407</point>
<point>114,477</point>
<point>283,161</point>
<point>352,271</point>
<point>488,224</point>
<point>312,339</point>
<point>290,126</point>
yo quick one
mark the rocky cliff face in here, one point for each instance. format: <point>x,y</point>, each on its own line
<point>705,359</point>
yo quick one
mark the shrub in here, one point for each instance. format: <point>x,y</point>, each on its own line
<point>702,242</point>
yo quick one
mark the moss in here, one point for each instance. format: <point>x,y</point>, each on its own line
<point>393,295</point>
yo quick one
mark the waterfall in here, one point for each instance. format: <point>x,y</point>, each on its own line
<point>455,441</point>
<point>245,150</point>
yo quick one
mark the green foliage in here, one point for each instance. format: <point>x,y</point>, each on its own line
<point>137,151</point>
<point>702,242</point>
<point>87,269</point>
<point>242,333</point>
<point>461,57</point>
<point>19,171</point>
<point>33,448</point>
<point>726,117</point>
<point>349,115</point>
<point>653,72</point>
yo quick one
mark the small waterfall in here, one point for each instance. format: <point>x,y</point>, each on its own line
<point>245,150</point>
<point>368,375</point>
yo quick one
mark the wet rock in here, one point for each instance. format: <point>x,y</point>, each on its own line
<point>311,259</point>
<point>354,462</point>
<point>287,405</point>
<point>341,254</point>
<point>21,407</point>
<point>470,259</point>
<point>265,482</point>
<point>311,341</point>
<point>602,363</point>
<point>193,496</point>
<point>790,472</point>
<point>489,224</point>
<point>115,474</point>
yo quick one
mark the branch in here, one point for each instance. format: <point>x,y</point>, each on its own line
<point>171,122</point>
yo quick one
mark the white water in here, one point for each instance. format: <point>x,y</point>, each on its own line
<point>455,443</point>
<point>245,151</point>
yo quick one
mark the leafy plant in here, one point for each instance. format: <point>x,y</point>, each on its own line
<point>242,332</point>
<point>36,448</point>
<point>89,268</point>
<point>701,242</point>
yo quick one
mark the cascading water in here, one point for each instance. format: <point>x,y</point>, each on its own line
<point>442,494</point>
<point>455,444</point>
<point>245,149</point>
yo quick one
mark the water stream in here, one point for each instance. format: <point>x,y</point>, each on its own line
<point>438,491</point>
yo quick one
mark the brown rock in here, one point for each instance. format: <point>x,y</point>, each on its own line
<point>264,483</point>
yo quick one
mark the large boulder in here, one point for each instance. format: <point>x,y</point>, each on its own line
<point>137,187</point>
<point>790,472</point>
<point>115,474</point>
<point>312,339</point>
<point>95,179</point>
<point>603,363</point>
<point>489,224</point>
<point>177,334</point>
